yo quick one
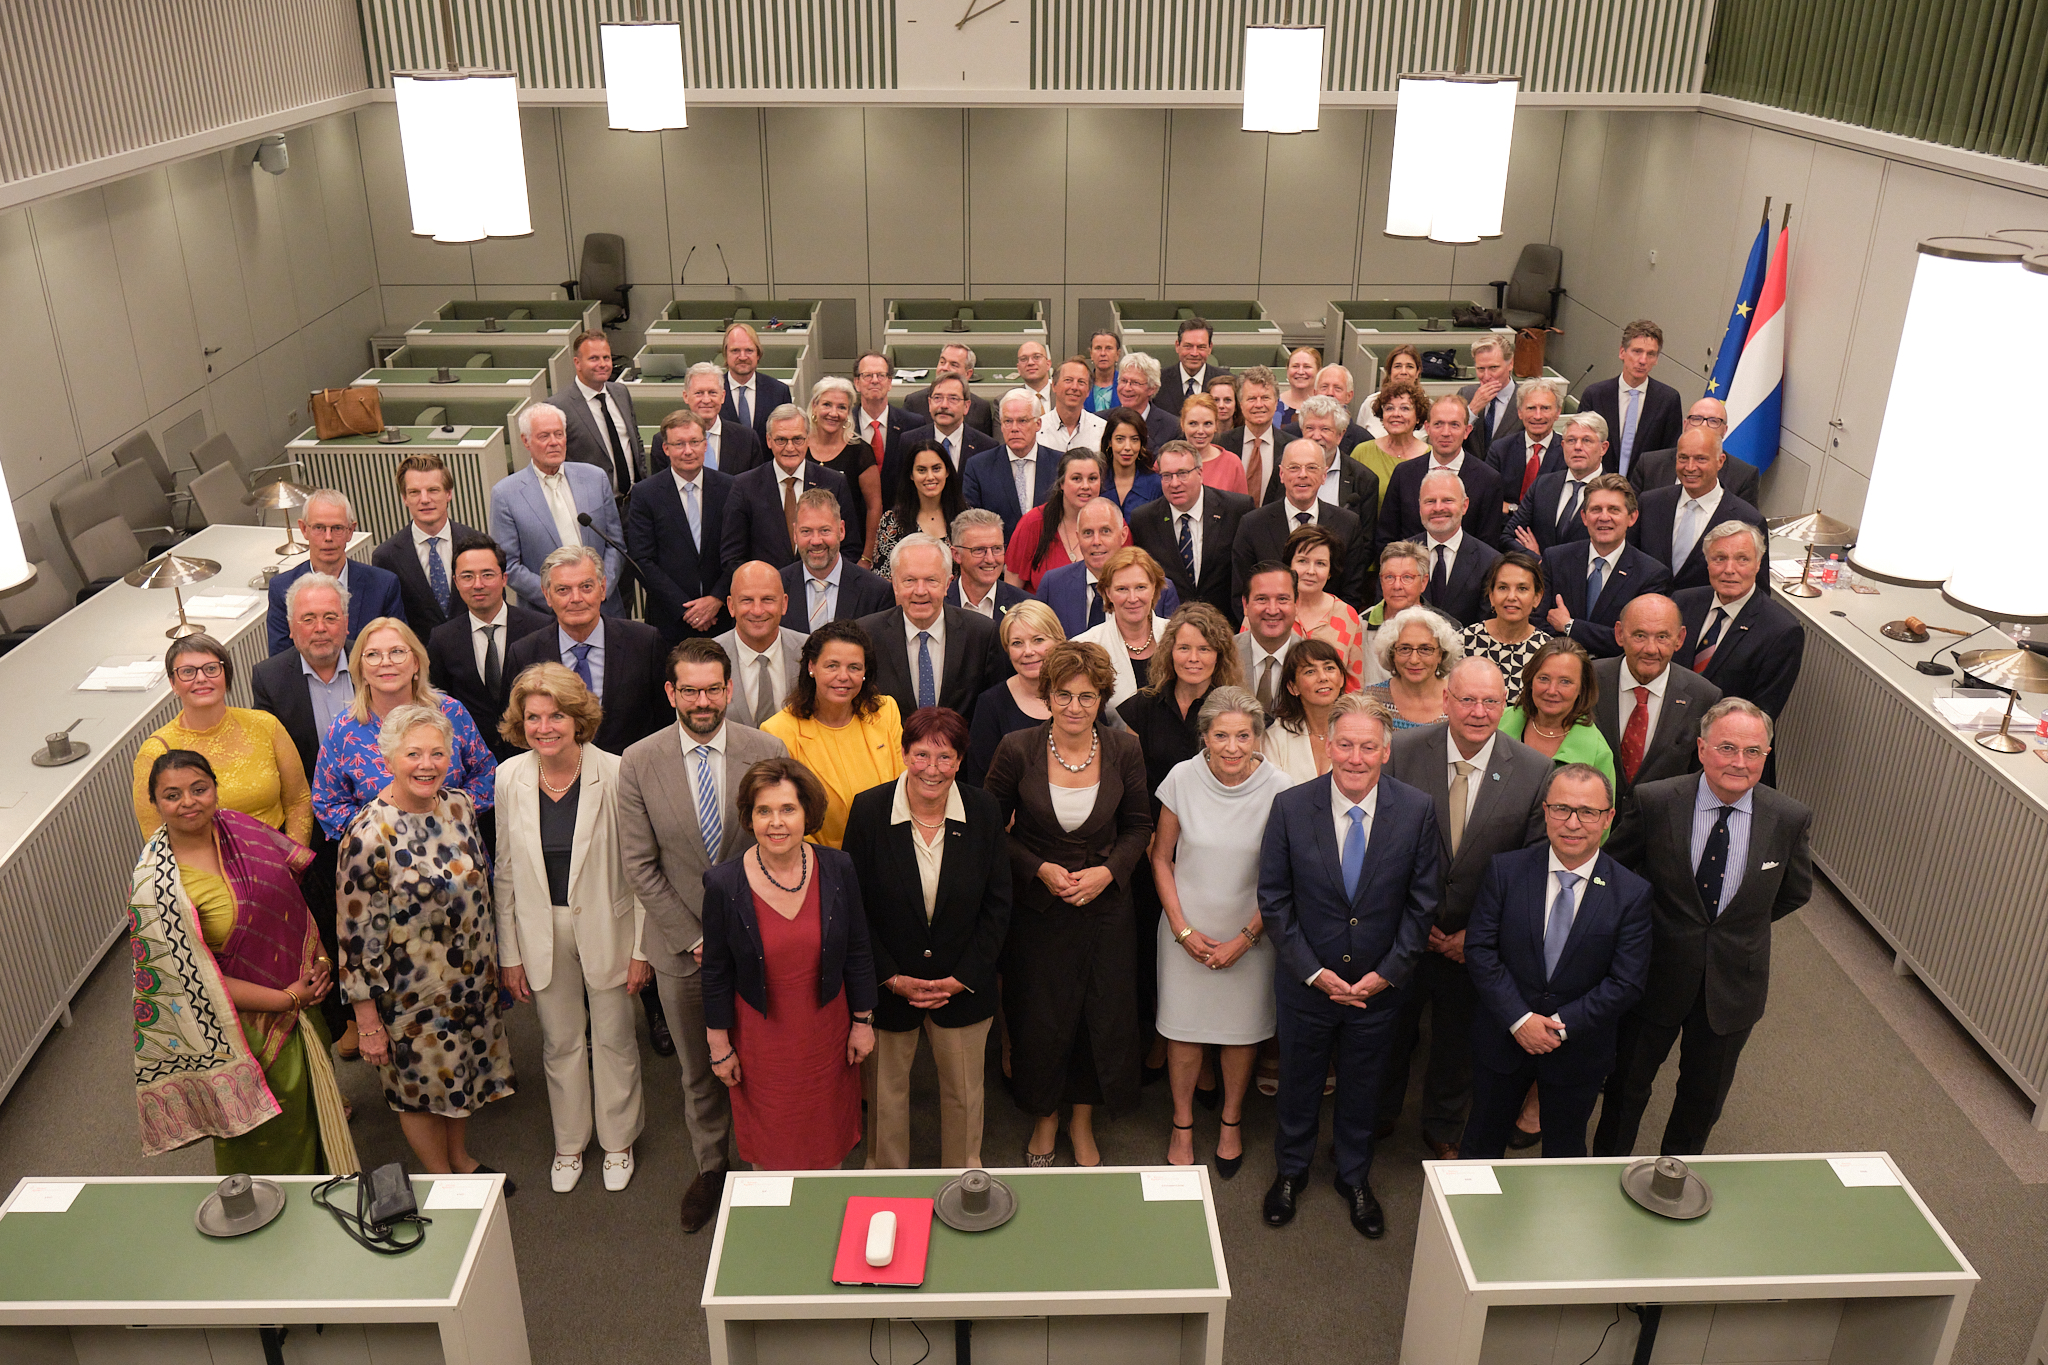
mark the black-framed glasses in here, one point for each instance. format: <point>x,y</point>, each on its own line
<point>1702,420</point>
<point>1585,815</point>
<point>185,673</point>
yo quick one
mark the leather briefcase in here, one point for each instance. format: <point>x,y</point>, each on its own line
<point>347,412</point>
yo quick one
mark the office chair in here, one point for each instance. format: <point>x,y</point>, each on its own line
<point>141,449</point>
<point>1529,298</point>
<point>95,534</point>
<point>223,498</point>
<point>602,276</point>
<point>26,610</point>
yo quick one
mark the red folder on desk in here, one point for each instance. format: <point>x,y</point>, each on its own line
<point>913,1240</point>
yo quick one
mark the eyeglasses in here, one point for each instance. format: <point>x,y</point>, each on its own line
<point>1483,703</point>
<point>1066,700</point>
<point>193,672</point>
<point>981,551</point>
<point>945,758</point>
<point>1585,815</point>
<point>1698,421</point>
<point>1176,475</point>
<point>698,693</point>
<point>397,654</point>
<point>1727,752</point>
<point>1416,651</point>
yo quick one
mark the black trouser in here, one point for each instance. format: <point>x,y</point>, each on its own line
<point>317,882</point>
<point>1706,1069</point>
<point>1497,1098</point>
<point>1446,988</point>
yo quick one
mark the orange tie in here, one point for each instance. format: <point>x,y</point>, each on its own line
<point>1254,485</point>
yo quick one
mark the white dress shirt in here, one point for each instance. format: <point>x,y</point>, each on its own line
<point>480,637</point>
<point>930,856</point>
<point>1708,504</point>
<point>1450,548</point>
<point>735,387</point>
<point>1730,611</point>
<point>711,459</point>
<point>746,674</point>
<point>1629,683</point>
<point>561,501</point>
<point>816,614</point>
<point>1478,762</point>
<point>1087,432</point>
<point>1259,656</point>
<point>1024,477</point>
<point>1577,897</point>
<point>1266,443</point>
<point>443,538</point>
<point>1609,560</point>
<point>565,642</point>
<point>1314,510</point>
<point>986,607</point>
<point>937,630</point>
<point>1340,819</point>
<point>1627,458</point>
<point>1330,482</point>
<point>955,442</point>
<point>1194,516</point>
<point>691,491</point>
<point>1574,491</point>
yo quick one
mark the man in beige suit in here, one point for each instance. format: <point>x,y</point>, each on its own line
<point>676,818</point>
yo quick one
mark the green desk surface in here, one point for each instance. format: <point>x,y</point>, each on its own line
<point>476,434</point>
<point>135,1243</point>
<point>1073,1233</point>
<point>508,326</point>
<point>1572,1223</point>
<point>386,374</point>
<point>936,325</point>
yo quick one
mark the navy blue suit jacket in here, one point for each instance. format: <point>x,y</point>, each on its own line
<point>1658,425</point>
<point>1065,590</point>
<point>400,556</point>
<point>675,568</point>
<point>754,528</point>
<point>1538,514</point>
<point>1507,459</point>
<point>1653,529</point>
<point>734,962</point>
<point>1401,500</point>
<point>1759,653</point>
<point>896,424</point>
<point>770,393</point>
<point>1384,928</point>
<point>986,483</point>
<point>1464,596</point>
<point>372,592</point>
<point>1600,974</point>
<point>861,593</point>
<point>1564,572</point>
<point>1161,426</point>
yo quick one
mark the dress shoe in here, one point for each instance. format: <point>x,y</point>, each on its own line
<point>1039,1160</point>
<point>348,1047</point>
<point>1365,1210</point>
<point>657,1025</point>
<point>1521,1138</point>
<point>567,1170</point>
<point>1226,1166</point>
<point>618,1170</point>
<point>1442,1151</point>
<point>700,1201</point>
<point>1150,1075</point>
<point>1280,1198</point>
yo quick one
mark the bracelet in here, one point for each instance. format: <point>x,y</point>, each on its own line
<point>721,1061</point>
<point>1185,931</point>
<point>369,1033</point>
<point>1251,935</point>
<point>868,1018</point>
<point>293,996</point>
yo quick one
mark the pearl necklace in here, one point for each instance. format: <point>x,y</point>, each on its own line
<point>559,792</point>
<point>1094,745</point>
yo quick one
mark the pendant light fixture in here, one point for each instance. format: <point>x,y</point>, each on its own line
<point>1441,114</point>
<point>465,164</point>
<point>643,73</point>
<point>1283,79</point>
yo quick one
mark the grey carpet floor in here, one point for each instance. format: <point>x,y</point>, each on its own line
<point>1848,1058</point>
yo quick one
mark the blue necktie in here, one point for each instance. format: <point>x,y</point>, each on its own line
<point>739,405</point>
<point>1354,852</point>
<point>708,819</point>
<point>437,572</point>
<point>1187,544</point>
<point>582,664</point>
<point>1713,863</point>
<point>1095,616</point>
<point>695,516</point>
<point>1627,455</point>
<point>1594,582</point>
<point>1559,927</point>
<point>927,686</point>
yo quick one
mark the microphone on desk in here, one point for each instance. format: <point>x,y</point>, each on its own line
<point>683,275</point>
<point>583,519</point>
<point>1582,377</point>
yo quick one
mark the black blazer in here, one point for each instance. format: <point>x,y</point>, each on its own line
<point>398,556</point>
<point>1506,458</point>
<point>451,666</point>
<point>1262,535</point>
<point>1759,652</point>
<point>970,666</point>
<point>1657,426</point>
<point>635,672</point>
<point>1358,491</point>
<point>1564,571</point>
<point>1659,469</point>
<point>861,593</point>
<point>278,685</point>
<point>1728,954</point>
<point>896,424</point>
<point>754,528</point>
<point>1653,529</point>
<point>739,449</point>
<point>1172,395</point>
<point>734,963</point>
<point>675,568</point>
<point>588,445</point>
<point>1464,596</point>
<point>1152,530</point>
<point>1536,514</point>
<point>969,441</point>
<point>981,414</point>
<point>970,916</point>
<point>1401,500</point>
<point>1161,426</point>
<point>1507,813</point>
<point>1670,750</point>
<point>770,393</point>
<point>1479,440</point>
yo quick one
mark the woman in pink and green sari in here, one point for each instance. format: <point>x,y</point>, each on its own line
<point>229,973</point>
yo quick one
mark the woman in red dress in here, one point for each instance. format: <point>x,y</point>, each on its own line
<point>789,979</point>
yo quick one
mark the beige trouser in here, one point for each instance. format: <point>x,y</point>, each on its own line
<point>705,1106</point>
<point>609,1064</point>
<point>958,1053</point>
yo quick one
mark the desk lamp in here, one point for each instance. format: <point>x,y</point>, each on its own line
<point>174,571</point>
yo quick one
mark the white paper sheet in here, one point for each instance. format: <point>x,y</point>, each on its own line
<point>1467,1180</point>
<point>131,677</point>
<point>1165,1185</point>
<point>49,1196</point>
<point>457,1192</point>
<point>762,1191</point>
<point>1855,1171</point>
<point>221,606</point>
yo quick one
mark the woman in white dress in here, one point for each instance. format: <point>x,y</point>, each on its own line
<point>1215,968</point>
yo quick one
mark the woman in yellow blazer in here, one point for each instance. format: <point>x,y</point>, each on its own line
<point>568,922</point>
<point>838,724</point>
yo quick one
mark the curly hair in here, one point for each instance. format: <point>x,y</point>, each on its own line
<point>560,686</point>
<point>803,698</point>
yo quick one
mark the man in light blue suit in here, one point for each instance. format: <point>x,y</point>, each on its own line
<point>533,512</point>
<point>990,478</point>
<point>1348,883</point>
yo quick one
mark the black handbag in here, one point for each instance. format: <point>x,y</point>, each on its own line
<point>1439,364</point>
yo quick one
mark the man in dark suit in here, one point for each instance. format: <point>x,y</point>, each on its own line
<point>957,663</point>
<point>1649,708</point>
<point>1191,531</point>
<point>620,660</point>
<point>1641,413</point>
<point>1592,580</point>
<point>1137,385</point>
<point>993,478</point>
<point>1400,508</point>
<point>1659,468</point>
<point>466,656</point>
<point>1549,515</point>
<point>1458,560</point>
<point>1348,887</point>
<point>955,359</point>
<point>1675,520</point>
<point>978,584</point>
<point>1192,343</point>
<point>422,555</point>
<point>1256,441</point>
<point>328,524</point>
<point>1262,534</point>
<point>1736,636</point>
<point>880,423</point>
<point>1346,482</point>
<point>1559,950</point>
<point>749,395</point>
<point>599,415</point>
<point>1519,457</point>
<point>675,531</point>
<point>730,448</point>
<point>1728,858</point>
<point>1488,791</point>
<point>1077,592</point>
<point>760,507</point>
<point>946,404</point>
<point>1490,403</point>
<point>824,585</point>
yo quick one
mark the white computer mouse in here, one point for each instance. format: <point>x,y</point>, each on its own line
<point>882,1238</point>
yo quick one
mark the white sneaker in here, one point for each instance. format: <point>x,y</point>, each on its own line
<point>567,1171</point>
<point>618,1170</point>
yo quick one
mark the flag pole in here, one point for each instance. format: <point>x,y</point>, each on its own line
<point>1785,226</point>
<point>1767,211</point>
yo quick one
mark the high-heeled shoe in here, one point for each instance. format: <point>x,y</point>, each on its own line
<point>1180,1128</point>
<point>1226,1166</point>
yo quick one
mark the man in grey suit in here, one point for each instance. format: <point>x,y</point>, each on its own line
<point>1726,859</point>
<point>676,819</point>
<point>601,426</point>
<point>765,654</point>
<point>1649,708</point>
<point>1488,789</point>
<point>534,512</point>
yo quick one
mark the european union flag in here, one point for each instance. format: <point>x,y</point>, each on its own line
<point>1740,317</point>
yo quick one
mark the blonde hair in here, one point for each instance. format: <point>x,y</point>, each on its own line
<point>1037,615</point>
<point>560,686</point>
<point>423,693</point>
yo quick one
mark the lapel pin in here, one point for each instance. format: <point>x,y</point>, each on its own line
<point>1599,881</point>
<point>1496,777</point>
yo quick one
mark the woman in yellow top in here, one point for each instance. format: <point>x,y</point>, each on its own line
<point>259,768</point>
<point>836,724</point>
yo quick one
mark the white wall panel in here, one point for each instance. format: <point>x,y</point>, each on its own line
<point>1401,265</point>
<point>614,183</point>
<point>916,195</point>
<point>83,277</point>
<point>1311,191</point>
<point>39,439</point>
<point>817,195</point>
<point>1115,195</point>
<point>1017,198</point>
<point>1831,226</point>
<point>717,200</point>
<point>144,224</point>
<point>1207,243</point>
<point>267,253</point>
<point>344,200</point>
<point>302,207</point>
<point>212,263</point>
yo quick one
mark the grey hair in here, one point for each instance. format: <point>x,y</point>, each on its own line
<point>1441,473</point>
<point>1496,342</point>
<point>1117,512</point>
<point>1344,370</point>
<point>1737,528</point>
<point>1229,701</point>
<point>1476,661</point>
<point>824,498</point>
<point>1322,405</point>
<point>1020,394</point>
<point>1257,374</point>
<point>1549,386</point>
<point>1404,549</point>
<point>1359,704</point>
<point>923,540</point>
<point>314,580</point>
<point>1447,641</point>
<point>788,412</point>
<point>528,413</point>
<point>1737,706</point>
<point>833,383</point>
<point>702,368</point>
<point>971,518</point>
<point>961,347</point>
<point>403,720</point>
<point>1581,771</point>
<point>570,554</point>
<point>333,497</point>
<point>1142,365</point>
<point>1590,420</point>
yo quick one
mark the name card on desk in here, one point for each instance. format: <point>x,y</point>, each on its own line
<point>1467,1180</point>
<point>221,606</point>
<point>762,1191</point>
<point>1166,1185</point>
<point>1855,1171</point>
<point>135,675</point>
<point>458,1192</point>
<point>49,1196</point>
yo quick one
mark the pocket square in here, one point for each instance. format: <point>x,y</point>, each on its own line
<point>1767,867</point>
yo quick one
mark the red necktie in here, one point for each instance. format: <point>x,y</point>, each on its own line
<point>1637,736</point>
<point>1535,464</point>
<point>875,437</point>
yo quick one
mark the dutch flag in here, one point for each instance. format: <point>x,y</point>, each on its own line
<point>1756,395</point>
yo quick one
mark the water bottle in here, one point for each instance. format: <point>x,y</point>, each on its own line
<point>1831,573</point>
